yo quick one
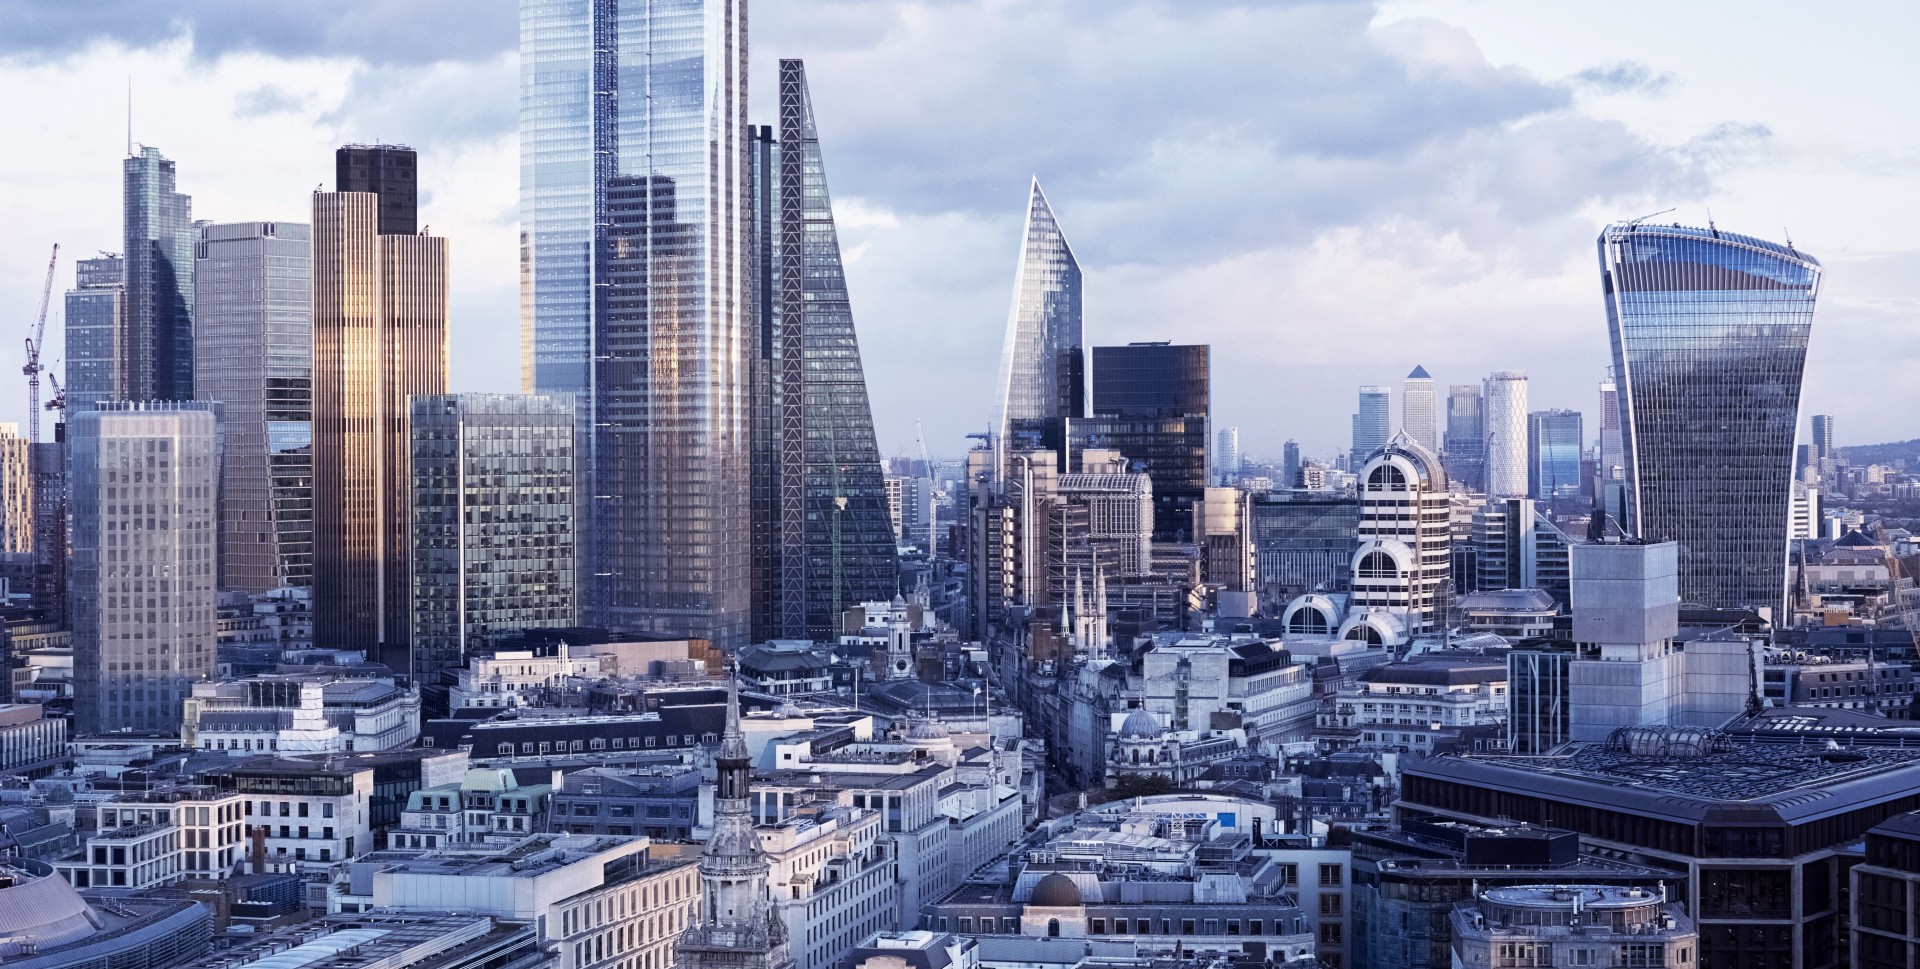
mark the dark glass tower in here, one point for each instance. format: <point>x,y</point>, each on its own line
<point>159,236</point>
<point>1555,443</point>
<point>1152,403</point>
<point>387,171</point>
<point>1709,333</point>
<point>823,504</point>
<point>636,298</point>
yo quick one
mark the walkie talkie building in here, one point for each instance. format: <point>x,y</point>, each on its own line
<point>1709,333</point>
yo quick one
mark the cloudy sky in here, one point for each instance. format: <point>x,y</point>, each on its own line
<point>1328,193</point>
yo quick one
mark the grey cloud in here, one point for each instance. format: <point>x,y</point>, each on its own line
<point>1622,76</point>
<point>376,31</point>
<point>267,99</point>
<point>1176,134</point>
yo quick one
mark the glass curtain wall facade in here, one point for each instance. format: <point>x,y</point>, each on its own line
<point>253,353</point>
<point>1042,364</point>
<point>96,331</point>
<point>1555,443</point>
<point>1371,424</point>
<point>1303,543</point>
<point>159,236</point>
<point>1152,403</point>
<point>635,293</point>
<point>1466,451</point>
<point>1505,397</point>
<point>835,536</point>
<point>1709,332</point>
<point>144,484</point>
<point>492,518</point>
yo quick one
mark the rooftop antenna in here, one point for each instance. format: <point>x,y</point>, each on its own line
<point>129,116</point>
<point>1789,235</point>
<point>1710,226</point>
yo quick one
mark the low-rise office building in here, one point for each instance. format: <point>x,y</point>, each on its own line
<point>1573,925</point>
<point>1885,915</point>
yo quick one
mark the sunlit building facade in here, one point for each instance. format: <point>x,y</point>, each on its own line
<point>1709,333</point>
<point>635,295</point>
<point>159,236</point>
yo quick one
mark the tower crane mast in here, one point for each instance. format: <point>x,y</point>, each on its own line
<point>34,344</point>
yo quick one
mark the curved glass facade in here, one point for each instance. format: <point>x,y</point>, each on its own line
<point>1505,423</point>
<point>1709,333</point>
<point>1042,369</point>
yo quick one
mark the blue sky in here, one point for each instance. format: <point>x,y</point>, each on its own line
<point>1329,193</point>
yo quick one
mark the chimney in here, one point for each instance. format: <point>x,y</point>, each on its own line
<point>258,834</point>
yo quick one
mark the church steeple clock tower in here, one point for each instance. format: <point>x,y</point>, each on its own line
<point>737,928</point>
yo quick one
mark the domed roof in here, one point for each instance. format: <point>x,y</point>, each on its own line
<point>1055,891</point>
<point>1141,724</point>
<point>40,904</point>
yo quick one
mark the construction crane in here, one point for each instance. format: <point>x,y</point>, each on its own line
<point>59,399</point>
<point>1902,605</point>
<point>34,342</point>
<point>933,509</point>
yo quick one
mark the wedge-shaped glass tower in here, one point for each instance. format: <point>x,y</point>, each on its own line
<point>1042,365</point>
<point>1709,334</point>
<point>823,533</point>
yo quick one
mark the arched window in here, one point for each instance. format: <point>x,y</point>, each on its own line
<point>1378,565</point>
<point>1053,928</point>
<point>1309,622</point>
<point>1386,477</point>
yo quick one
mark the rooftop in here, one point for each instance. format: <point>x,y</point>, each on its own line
<point>1562,896</point>
<point>1758,783</point>
<point>538,855</point>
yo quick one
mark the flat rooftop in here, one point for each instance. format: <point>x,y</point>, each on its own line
<point>1794,786</point>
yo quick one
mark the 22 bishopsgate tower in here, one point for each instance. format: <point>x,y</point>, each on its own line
<point>634,293</point>
<point>681,277</point>
<point>1709,333</point>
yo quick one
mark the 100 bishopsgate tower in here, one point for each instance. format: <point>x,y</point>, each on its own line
<point>822,535</point>
<point>634,293</point>
<point>1709,333</point>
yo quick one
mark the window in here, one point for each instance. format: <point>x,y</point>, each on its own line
<point>1053,928</point>
<point>1330,903</point>
<point>1330,874</point>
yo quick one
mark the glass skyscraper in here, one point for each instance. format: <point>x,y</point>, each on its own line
<point>253,353</point>
<point>1420,410</point>
<point>1465,454</point>
<point>160,236</point>
<point>1042,364</point>
<point>1554,447</point>
<point>1371,424</point>
<point>1505,399</point>
<point>96,329</point>
<point>144,481</point>
<point>1709,333</point>
<point>1152,402</point>
<point>824,531</point>
<point>492,518</point>
<point>635,293</point>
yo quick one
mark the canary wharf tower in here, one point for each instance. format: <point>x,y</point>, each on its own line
<point>634,293</point>
<point>1709,333</point>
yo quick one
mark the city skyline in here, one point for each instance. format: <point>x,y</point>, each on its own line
<point>1674,125</point>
